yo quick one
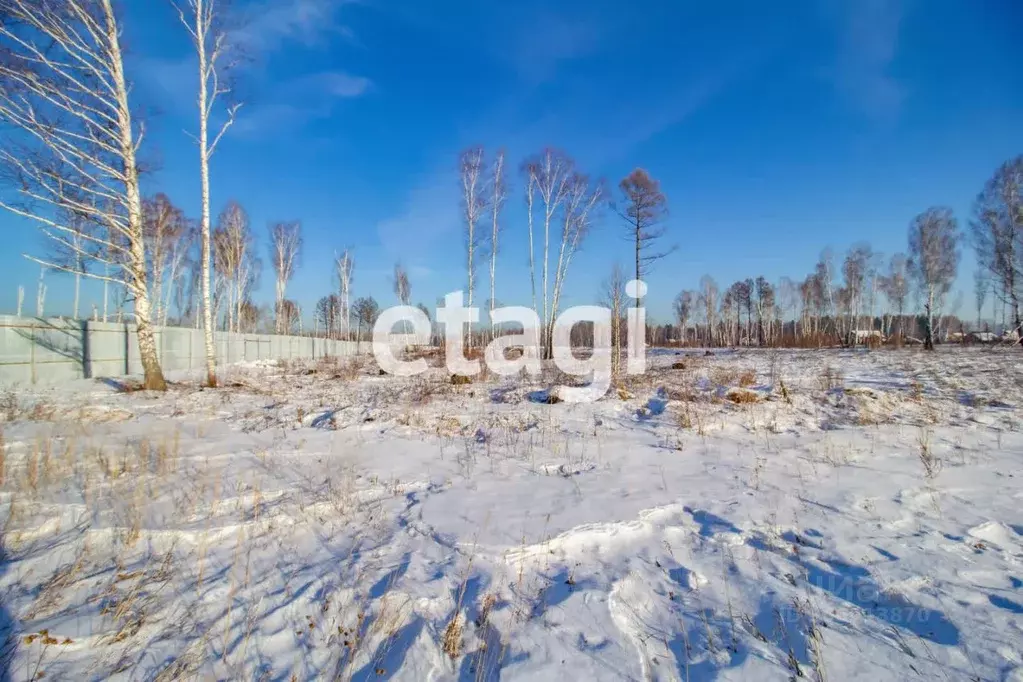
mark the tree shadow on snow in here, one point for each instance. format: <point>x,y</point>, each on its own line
<point>8,641</point>
<point>696,658</point>
<point>856,586</point>
<point>710,523</point>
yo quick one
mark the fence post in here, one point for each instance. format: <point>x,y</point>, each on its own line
<point>86,350</point>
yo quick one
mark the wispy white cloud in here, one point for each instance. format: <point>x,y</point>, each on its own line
<point>867,46</point>
<point>548,40</point>
<point>294,103</point>
<point>260,30</point>
<point>269,24</point>
<point>430,216</point>
<point>338,84</point>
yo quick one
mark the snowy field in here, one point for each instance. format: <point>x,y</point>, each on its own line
<point>842,515</point>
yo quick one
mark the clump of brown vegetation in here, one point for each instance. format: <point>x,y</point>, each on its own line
<point>742,397</point>
<point>460,380</point>
<point>748,378</point>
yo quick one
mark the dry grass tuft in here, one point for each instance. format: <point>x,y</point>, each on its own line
<point>453,636</point>
<point>742,397</point>
<point>724,376</point>
<point>830,379</point>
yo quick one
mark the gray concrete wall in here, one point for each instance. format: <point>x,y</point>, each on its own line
<point>52,350</point>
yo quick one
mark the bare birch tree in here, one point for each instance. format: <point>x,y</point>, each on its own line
<point>402,290</point>
<point>997,230</point>
<point>582,199</point>
<point>855,270</point>
<point>234,259</point>
<point>766,300</point>
<point>209,39</point>
<point>73,143</point>
<point>344,265</point>
<point>614,300</point>
<point>549,174</point>
<point>165,229</point>
<point>709,299</point>
<point>285,248</point>
<point>498,195</point>
<point>981,285</point>
<point>934,259</point>
<point>683,307</point>
<point>473,206</point>
<point>895,286</point>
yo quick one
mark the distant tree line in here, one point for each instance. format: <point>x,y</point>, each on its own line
<point>75,149</point>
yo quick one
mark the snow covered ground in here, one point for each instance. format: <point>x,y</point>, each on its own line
<point>845,515</point>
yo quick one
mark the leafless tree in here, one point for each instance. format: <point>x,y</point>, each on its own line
<point>344,265</point>
<point>765,303</point>
<point>366,311</point>
<point>285,248</point>
<point>683,306</point>
<point>997,230</point>
<point>473,207</point>
<point>71,146</point>
<point>68,251</point>
<point>234,259</point>
<point>582,200</point>
<point>201,20</point>
<point>789,302</point>
<point>709,299</point>
<point>934,259</point>
<point>895,286</point>
<point>166,233</point>
<point>402,288</point>
<point>41,293</point>
<point>328,315</point>
<point>287,317</point>
<point>531,173</point>
<point>856,270</point>
<point>614,300</point>
<point>567,198</point>
<point>549,175</point>
<point>498,195</point>
<point>981,285</point>
<point>180,260</point>
<point>644,208</point>
<point>729,306</point>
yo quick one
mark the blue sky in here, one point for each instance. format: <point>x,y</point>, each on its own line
<point>776,129</point>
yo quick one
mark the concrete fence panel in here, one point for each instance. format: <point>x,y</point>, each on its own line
<point>52,350</point>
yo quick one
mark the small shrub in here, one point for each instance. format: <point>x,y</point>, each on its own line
<point>742,397</point>
<point>9,405</point>
<point>785,391</point>
<point>830,379</point>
